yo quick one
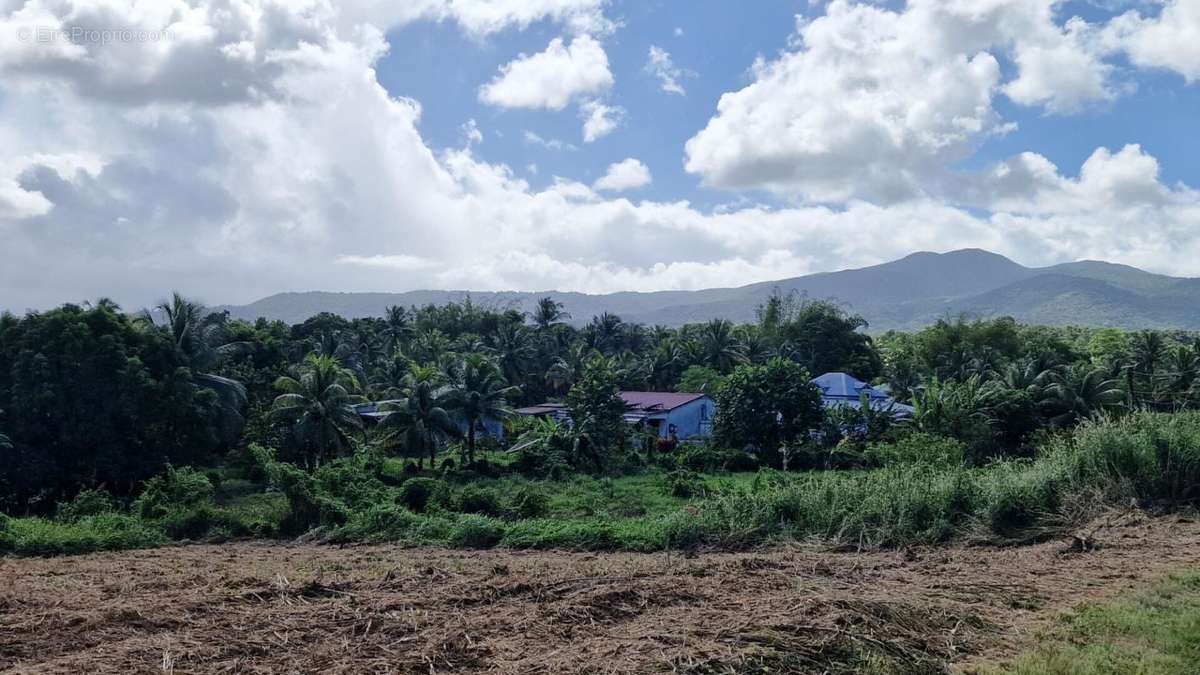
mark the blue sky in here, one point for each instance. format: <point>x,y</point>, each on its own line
<point>436,64</point>
<point>370,145</point>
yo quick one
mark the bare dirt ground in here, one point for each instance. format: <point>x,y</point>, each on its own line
<point>262,607</point>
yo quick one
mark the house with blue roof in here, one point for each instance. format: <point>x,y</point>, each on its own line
<point>839,390</point>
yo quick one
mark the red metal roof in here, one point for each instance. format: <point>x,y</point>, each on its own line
<point>657,400</point>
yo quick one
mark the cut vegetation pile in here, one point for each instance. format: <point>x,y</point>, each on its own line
<point>259,608</point>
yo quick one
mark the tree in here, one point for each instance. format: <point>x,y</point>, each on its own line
<point>820,336</point>
<point>318,407</point>
<point>1081,392</point>
<point>700,380</point>
<point>478,391</point>
<point>397,327</point>
<point>92,398</point>
<point>597,412</point>
<point>719,346</point>
<point>769,406</point>
<point>420,420</point>
<point>201,342</point>
<point>548,312</point>
<point>513,348</point>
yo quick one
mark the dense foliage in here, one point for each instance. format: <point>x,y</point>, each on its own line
<point>357,427</point>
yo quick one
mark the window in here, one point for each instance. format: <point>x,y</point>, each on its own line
<point>704,412</point>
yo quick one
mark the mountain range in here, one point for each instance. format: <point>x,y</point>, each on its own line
<point>904,294</point>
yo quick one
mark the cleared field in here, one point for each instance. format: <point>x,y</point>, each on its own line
<point>302,608</point>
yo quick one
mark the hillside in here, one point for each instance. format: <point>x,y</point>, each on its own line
<point>905,294</point>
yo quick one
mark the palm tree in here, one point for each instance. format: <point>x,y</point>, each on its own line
<point>513,349</point>
<point>568,367</point>
<point>548,312</point>
<point>1147,351</point>
<point>606,333</point>
<point>1080,393</point>
<point>397,327</point>
<point>478,391</point>
<point>317,404</point>
<point>420,420</point>
<point>719,346</point>
<point>201,343</point>
<point>1182,367</point>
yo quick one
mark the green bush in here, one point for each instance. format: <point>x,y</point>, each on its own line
<point>473,531</point>
<point>86,503</point>
<point>918,448</point>
<point>381,522</point>
<point>176,489</point>
<point>683,484</point>
<point>419,493</point>
<point>528,502</point>
<point>352,480</point>
<point>105,532</point>
<point>479,500</point>
<point>308,507</point>
<point>576,535</point>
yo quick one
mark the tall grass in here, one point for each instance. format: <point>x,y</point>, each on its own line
<point>1151,458</point>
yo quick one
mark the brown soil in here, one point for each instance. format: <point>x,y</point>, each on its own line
<point>272,608</point>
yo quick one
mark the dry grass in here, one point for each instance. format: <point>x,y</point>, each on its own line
<point>264,608</point>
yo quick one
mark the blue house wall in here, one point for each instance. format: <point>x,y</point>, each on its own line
<point>691,420</point>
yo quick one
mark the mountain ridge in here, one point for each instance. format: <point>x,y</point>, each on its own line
<point>907,293</point>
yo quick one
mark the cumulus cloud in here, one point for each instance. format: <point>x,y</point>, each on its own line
<point>628,174</point>
<point>316,177</point>
<point>553,78</point>
<point>1170,40</point>
<point>873,103</point>
<point>599,119</point>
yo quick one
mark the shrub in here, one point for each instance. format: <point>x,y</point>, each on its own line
<point>381,522</point>
<point>683,484</point>
<point>476,499</point>
<point>577,535</point>
<point>86,503</point>
<point>176,489</point>
<point>352,480</point>
<point>918,448</point>
<point>528,502</point>
<point>475,531</point>
<point>104,532</point>
<point>307,506</point>
<point>419,493</point>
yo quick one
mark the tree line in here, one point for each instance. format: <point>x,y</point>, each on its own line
<point>93,396</point>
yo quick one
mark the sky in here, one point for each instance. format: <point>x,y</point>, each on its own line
<point>231,149</point>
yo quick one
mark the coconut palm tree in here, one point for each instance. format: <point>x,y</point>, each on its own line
<point>513,348</point>
<point>420,420</point>
<point>478,391</point>
<point>548,312</point>
<point>397,328</point>
<point>317,405</point>
<point>1079,393</point>
<point>201,342</point>
<point>719,346</point>
<point>568,367</point>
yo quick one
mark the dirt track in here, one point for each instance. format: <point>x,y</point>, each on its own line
<point>299,608</point>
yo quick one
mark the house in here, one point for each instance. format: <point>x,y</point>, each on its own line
<point>840,390</point>
<point>667,414</point>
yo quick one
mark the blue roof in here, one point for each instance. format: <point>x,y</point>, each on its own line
<point>840,389</point>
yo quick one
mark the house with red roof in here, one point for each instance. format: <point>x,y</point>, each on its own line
<point>666,413</point>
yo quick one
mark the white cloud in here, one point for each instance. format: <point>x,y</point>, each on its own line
<point>552,78</point>
<point>599,119</point>
<point>661,66</point>
<point>628,174</point>
<point>533,138</point>
<point>325,182</point>
<point>480,18</point>
<point>1170,40</point>
<point>471,132</point>
<point>872,103</point>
